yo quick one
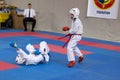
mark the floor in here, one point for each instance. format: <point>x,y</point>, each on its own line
<point>102,58</point>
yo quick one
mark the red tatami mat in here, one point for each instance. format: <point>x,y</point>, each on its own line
<point>59,49</point>
<point>6,66</point>
<point>82,42</point>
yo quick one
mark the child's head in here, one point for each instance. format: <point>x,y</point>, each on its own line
<point>74,13</point>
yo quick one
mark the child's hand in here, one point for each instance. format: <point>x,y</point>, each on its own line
<point>65,28</point>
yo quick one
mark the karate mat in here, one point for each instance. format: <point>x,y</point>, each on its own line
<point>102,58</point>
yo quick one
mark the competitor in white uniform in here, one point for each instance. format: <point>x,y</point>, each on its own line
<point>76,31</point>
<point>32,58</point>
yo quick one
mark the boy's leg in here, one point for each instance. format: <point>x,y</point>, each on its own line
<point>70,48</point>
<point>22,53</point>
<point>79,54</point>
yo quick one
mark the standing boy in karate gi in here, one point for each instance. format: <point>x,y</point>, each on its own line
<point>75,32</point>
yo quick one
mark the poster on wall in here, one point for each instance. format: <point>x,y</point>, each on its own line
<point>103,8</point>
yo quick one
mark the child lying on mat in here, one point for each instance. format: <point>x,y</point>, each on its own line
<point>34,57</point>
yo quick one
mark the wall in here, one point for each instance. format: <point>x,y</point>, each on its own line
<point>53,14</point>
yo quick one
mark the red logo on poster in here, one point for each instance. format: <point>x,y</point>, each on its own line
<point>104,4</point>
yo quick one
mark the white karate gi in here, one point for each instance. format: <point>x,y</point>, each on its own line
<point>76,28</point>
<point>31,58</point>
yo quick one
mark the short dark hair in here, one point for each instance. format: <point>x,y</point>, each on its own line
<point>29,4</point>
